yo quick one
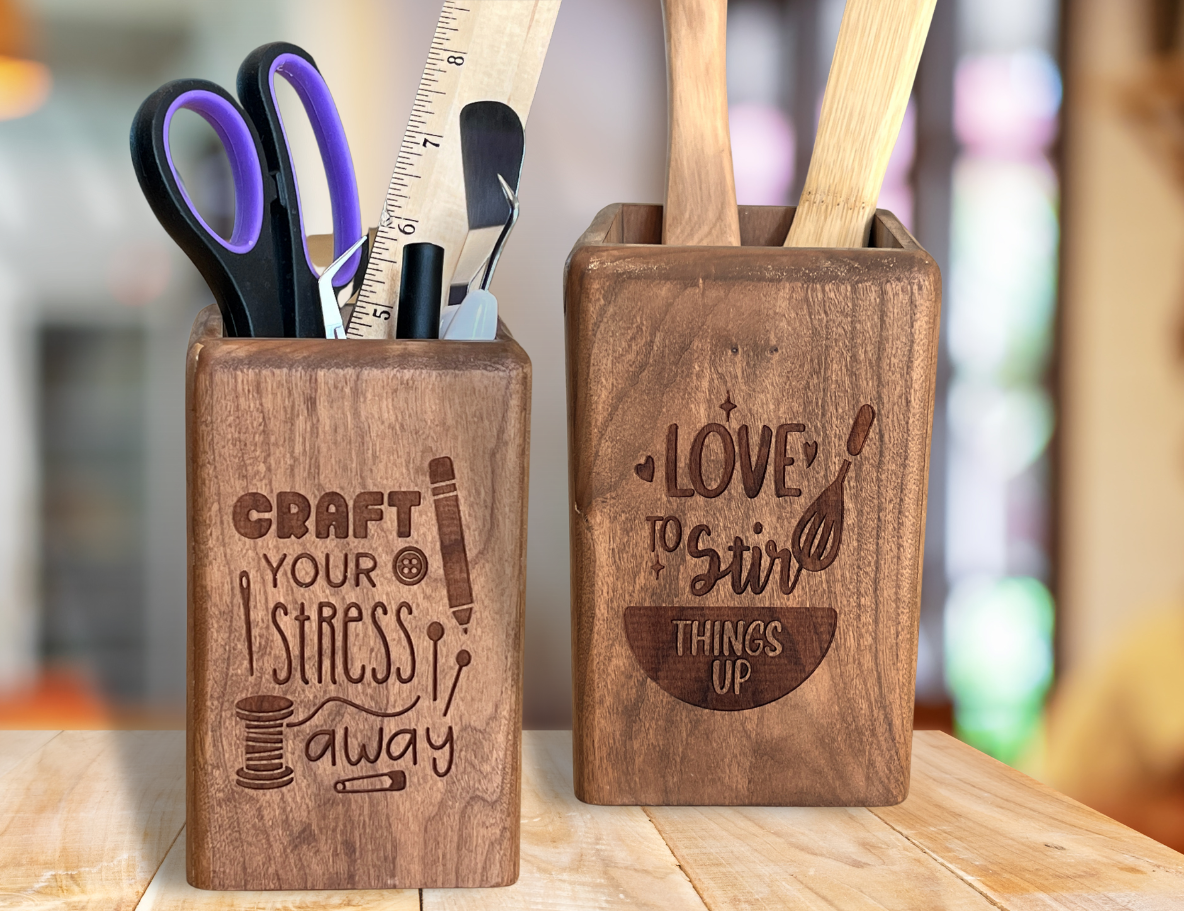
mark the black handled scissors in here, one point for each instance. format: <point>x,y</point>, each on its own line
<point>262,276</point>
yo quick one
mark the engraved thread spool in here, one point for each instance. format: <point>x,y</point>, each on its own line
<point>264,767</point>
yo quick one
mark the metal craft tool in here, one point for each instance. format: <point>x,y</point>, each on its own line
<point>330,310</point>
<point>491,146</point>
<point>476,318</point>
<point>482,50</point>
<point>262,276</point>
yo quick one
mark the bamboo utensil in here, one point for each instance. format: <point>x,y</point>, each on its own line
<point>700,189</point>
<point>871,77</point>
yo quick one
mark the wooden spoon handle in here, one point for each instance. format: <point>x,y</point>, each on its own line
<point>871,76</point>
<point>700,191</point>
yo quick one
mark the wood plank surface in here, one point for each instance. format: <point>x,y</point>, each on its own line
<point>16,745</point>
<point>574,855</point>
<point>170,892</point>
<point>807,857</point>
<point>1024,845</point>
<point>86,820</point>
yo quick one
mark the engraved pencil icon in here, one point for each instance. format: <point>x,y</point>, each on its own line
<point>452,540</point>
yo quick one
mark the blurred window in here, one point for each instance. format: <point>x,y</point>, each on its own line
<point>92,509</point>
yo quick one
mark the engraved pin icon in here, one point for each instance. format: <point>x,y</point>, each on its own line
<point>463,659</point>
<point>371,784</point>
<point>435,633</point>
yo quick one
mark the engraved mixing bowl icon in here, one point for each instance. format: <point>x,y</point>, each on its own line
<point>264,768</point>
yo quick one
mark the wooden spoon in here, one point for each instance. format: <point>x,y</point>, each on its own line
<point>871,76</point>
<point>700,191</point>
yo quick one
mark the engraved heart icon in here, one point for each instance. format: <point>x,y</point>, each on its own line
<point>811,451</point>
<point>645,470</point>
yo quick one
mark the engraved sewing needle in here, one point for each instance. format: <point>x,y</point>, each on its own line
<point>330,310</point>
<point>244,590</point>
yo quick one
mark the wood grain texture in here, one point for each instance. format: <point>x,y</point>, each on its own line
<point>867,91</point>
<point>807,858</point>
<point>16,745</point>
<point>170,892</point>
<point>357,520</point>
<point>86,820</point>
<point>1023,845</point>
<point>700,189</point>
<point>575,856</point>
<point>712,395</point>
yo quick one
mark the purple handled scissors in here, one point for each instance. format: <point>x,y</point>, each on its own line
<point>262,275</point>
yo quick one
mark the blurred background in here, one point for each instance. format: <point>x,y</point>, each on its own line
<point>1041,163</point>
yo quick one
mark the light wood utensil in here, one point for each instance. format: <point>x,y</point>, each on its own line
<point>871,77</point>
<point>700,190</point>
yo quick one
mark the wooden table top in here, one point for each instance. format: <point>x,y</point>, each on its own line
<point>95,819</point>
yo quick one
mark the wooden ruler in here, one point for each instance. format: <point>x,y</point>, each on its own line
<point>483,50</point>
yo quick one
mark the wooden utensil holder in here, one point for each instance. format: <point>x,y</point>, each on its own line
<point>357,548</point>
<point>749,435</point>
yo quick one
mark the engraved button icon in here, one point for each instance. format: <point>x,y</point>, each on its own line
<point>410,565</point>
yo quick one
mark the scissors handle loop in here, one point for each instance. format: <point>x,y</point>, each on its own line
<point>256,88</point>
<point>239,270</point>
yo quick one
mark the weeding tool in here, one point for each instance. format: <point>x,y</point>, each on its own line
<point>491,146</point>
<point>476,318</point>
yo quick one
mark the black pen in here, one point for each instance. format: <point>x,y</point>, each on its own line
<point>420,289</point>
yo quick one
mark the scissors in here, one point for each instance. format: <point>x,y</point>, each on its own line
<point>262,277</point>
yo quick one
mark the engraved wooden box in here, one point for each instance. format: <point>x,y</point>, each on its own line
<point>749,445</point>
<point>357,547</point>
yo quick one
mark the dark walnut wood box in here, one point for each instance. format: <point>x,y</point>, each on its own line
<point>749,447</point>
<point>357,548</point>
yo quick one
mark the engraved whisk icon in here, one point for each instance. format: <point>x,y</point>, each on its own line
<point>818,536</point>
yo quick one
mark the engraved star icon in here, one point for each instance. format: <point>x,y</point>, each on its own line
<point>657,567</point>
<point>727,407</point>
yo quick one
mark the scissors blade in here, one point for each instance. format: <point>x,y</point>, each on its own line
<point>330,311</point>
